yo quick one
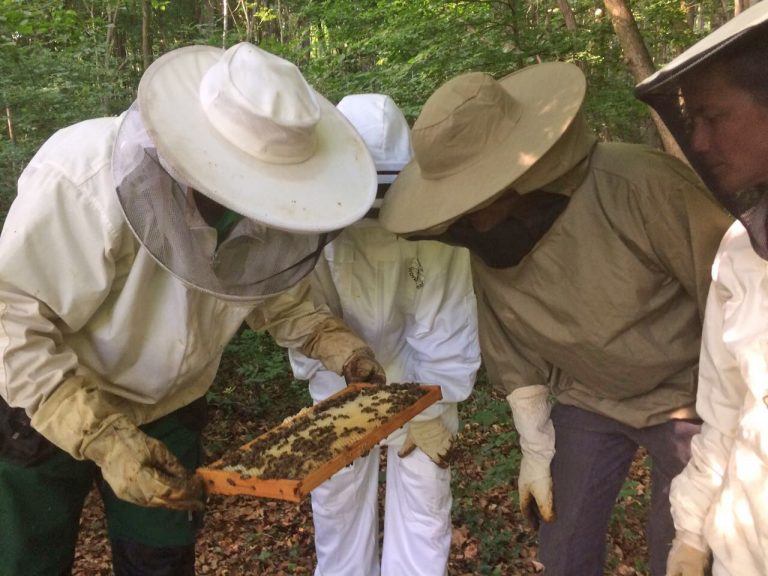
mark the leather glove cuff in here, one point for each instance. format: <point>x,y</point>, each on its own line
<point>685,559</point>
<point>530,413</point>
<point>75,414</point>
<point>333,343</point>
<point>89,423</point>
<point>692,539</point>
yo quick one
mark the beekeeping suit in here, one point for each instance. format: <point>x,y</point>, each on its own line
<point>714,97</point>
<point>135,249</point>
<point>413,303</point>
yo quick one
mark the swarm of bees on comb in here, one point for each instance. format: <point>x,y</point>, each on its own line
<point>316,435</point>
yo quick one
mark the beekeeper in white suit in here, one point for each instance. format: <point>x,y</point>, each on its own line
<point>413,303</point>
<point>136,247</point>
<point>714,98</point>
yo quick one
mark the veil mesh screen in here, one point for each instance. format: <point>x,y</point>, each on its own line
<point>251,261</point>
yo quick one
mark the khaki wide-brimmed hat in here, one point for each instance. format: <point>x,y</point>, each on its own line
<point>475,136</point>
<point>243,127</point>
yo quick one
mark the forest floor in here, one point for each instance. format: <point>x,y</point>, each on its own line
<point>255,537</point>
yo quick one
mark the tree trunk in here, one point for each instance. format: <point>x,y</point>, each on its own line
<point>224,22</point>
<point>740,5</point>
<point>146,33</point>
<point>109,41</point>
<point>570,24</point>
<point>567,11</point>
<point>249,16</point>
<point>638,61</point>
<point>9,122</point>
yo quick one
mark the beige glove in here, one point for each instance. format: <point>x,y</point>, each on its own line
<point>431,437</point>
<point>530,412</point>
<point>341,351</point>
<point>361,366</point>
<point>84,421</point>
<point>685,558</point>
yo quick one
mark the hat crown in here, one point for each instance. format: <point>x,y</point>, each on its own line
<point>262,104</point>
<point>286,158</point>
<point>460,121</point>
<point>383,128</point>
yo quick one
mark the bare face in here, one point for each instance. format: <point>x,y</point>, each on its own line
<point>729,130</point>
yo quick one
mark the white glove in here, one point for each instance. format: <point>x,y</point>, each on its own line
<point>530,412</point>
<point>686,558</point>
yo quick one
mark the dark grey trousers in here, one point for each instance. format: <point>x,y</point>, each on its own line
<point>592,459</point>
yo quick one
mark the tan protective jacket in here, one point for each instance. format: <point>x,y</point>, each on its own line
<point>79,295</point>
<point>607,307</point>
<point>722,495</point>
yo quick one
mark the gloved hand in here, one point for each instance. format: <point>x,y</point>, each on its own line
<point>685,559</point>
<point>431,437</point>
<point>141,469</point>
<point>341,351</point>
<point>82,420</point>
<point>361,366</point>
<point>530,412</point>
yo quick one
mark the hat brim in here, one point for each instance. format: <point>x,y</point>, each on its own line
<point>550,95</point>
<point>703,49</point>
<point>332,189</point>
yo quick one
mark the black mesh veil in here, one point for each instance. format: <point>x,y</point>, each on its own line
<point>246,263</point>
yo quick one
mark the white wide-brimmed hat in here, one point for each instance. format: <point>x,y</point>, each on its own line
<point>475,136</point>
<point>243,127</point>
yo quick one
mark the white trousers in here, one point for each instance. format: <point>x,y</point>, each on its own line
<point>417,518</point>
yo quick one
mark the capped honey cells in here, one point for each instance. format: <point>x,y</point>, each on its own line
<point>317,435</point>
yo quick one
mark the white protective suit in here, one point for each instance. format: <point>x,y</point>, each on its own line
<point>99,305</point>
<point>413,303</point>
<point>721,497</point>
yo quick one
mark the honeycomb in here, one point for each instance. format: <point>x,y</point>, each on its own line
<point>308,447</point>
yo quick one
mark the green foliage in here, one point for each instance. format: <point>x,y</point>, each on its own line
<point>87,56</point>
<point>501,447</point>
<point>633,504</point>
<point>499,455</point>
<point>69,83</point>
<point>254,363</point>
<point>483,407</point>
<point>260,359</point>
<point>404,49</point>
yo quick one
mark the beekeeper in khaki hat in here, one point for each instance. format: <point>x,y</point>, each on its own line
<point>590,264</point>
<point>413,303</point>
<point>714,98</point>
<point>136,248</point>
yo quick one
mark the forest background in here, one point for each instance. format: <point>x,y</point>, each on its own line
<point>62,61</point>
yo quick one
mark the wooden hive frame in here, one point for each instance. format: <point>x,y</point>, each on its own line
<point>221,478</point>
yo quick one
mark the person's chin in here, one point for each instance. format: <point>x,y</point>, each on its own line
<point>719,174</point>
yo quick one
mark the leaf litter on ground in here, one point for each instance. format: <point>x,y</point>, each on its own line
<point>243,535</point>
